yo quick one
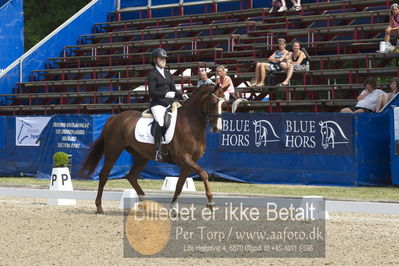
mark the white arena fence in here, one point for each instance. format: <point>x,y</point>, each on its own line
<point>331,205</point>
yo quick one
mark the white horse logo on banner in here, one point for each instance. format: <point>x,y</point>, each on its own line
<point>264,133</point>
<point>23,131</point>
<point>329,130</point>
<point>28,129</point>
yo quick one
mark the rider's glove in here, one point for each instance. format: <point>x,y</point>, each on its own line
<point>170,94</point>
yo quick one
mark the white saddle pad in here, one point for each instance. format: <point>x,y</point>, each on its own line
<point>142,132</point>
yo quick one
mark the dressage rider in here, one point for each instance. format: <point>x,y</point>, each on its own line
<point>162,92</point>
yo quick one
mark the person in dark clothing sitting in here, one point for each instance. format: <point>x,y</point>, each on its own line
<point>163,92</point>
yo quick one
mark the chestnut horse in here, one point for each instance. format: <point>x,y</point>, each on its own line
<point>187,146</point>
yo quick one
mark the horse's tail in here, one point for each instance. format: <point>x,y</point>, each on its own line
<point>92,159</point>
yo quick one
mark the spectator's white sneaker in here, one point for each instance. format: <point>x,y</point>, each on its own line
<point>297,8</point>
<point>282,8</point>
<point>390,47</point>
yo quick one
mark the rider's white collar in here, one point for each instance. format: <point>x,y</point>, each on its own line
<point>161,70</point>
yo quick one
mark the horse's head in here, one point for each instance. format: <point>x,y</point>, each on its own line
<point>209,99</point>
<point>258,132</point>
<point>324,134</point>
<point>327,135</point>
<point>214,107</point>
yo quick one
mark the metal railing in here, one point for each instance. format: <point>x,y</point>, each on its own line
<point>181,3</point>
<point>180,6</point>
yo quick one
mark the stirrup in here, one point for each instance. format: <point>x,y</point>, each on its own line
<point>158,156</point>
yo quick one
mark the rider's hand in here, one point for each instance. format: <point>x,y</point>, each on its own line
<point>170,94</point>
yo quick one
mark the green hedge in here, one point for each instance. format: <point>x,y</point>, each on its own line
<point>60,159</point>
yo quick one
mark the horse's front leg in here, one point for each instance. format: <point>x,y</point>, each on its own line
<point>204,176</point>
<point>179,186</point>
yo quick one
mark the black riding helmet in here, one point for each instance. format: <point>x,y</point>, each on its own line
<point>159,52</point>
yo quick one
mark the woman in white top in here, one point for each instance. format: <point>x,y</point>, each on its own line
<point>367,100</point>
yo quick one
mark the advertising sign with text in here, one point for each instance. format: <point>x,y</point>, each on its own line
<point>287,133</point>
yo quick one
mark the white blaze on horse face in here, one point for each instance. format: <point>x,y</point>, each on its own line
<point>219,121</point>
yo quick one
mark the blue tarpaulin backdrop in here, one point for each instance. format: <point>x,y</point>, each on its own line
<point>361,157</point>
<point>287,149</point>
<point>11,31</point>
<point>2,2</point>
<point>36,58</point>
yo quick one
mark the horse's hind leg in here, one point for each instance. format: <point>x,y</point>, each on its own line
<point>109,161</point>
<point>138,166</point>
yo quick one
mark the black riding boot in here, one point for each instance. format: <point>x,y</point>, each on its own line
<point>157,141</point>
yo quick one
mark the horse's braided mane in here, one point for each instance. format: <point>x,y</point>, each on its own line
<point>198,92</point>
<point>202,89</point>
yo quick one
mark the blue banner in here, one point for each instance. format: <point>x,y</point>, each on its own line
<point>394,144</point>
<point>294,151</point>
<point>71,134</point>
<point>330,134</point>
<point>2,132</point>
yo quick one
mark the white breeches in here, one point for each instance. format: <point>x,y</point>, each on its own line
<point>227,95</point>
<point>158,111</point>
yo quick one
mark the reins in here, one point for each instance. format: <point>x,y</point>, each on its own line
<point>208,115</point>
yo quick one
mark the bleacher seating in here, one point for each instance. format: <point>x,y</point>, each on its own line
<point>106,71</point>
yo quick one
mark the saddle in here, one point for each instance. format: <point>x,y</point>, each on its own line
<point>144,131</point>
<point>167,118</point>
<point>148,114</point>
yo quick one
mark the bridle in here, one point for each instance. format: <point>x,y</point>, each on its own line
<point>207,115</point>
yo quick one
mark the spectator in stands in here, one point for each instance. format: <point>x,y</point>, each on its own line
<point>163,92</point>
<point>276,62</point>
<point>367,100</point>
<point>224,81</point>
<point>203,79</point>
<point>393,27</point>
<point>280,5</point>
<point>276,6</point>
<point>296,62</point>
<point>383,99</point>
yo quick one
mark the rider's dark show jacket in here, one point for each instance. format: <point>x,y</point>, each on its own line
<point>159,86</point>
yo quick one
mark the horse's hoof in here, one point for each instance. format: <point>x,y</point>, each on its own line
<point>211,206</point>
<point>211,203</point>
<point>99,212</point>
<point>141,197</point>
<point>173,213</point>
